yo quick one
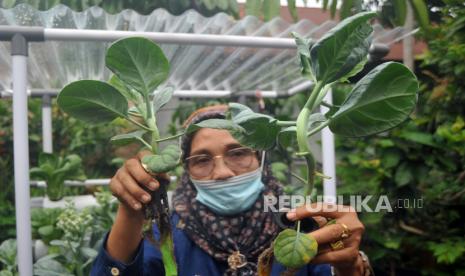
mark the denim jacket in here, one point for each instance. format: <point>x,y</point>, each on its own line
<point>190,258</point>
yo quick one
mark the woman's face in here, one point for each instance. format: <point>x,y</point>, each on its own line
<point>216,142</point>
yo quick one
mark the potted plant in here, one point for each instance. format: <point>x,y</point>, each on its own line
<point>54,170</point>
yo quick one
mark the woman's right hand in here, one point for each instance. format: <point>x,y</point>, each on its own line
<point>131,185</point>
<point>129,182</point>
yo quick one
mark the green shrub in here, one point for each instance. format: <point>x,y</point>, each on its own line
<point>424,159</point>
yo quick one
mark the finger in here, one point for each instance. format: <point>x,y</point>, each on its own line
<point>327,210</point>
<point>143,153</point>
<point>135,169</point>
<point>119,192</point>
<point>320,220</point>
<point>349,242</point>
<point>133,188</point>
<point>327,234</point>
<point>345,255</point>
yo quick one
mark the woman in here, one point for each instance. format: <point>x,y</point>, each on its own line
<point>218,215</point>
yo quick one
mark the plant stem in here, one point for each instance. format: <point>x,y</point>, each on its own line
<point>301,179</point>
<point>310,104</point>
<point>79,271</point>
<point>318,128</point>
<point>155,136</point>
<point>135,114</point>
<point>170,137</point>
<point>301,132</point>
<point>323,103</point>
<point>137,123</point>
<point>298,226</point>
<point>146,144</point>
<point>321,95</point>
<point>162,209</point>
<point>286,123</point>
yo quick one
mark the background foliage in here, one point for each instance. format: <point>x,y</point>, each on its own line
<point>424,159</point>
<point>69,136</point>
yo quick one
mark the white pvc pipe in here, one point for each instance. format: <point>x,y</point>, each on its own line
<point>328,156</point>
<point>171,38</point>
<point>21,165</point>
<point>177,93</point>
<point>299,88</point>
<point>88,182</point>
<point>202,93</point>
<point>47,136</point>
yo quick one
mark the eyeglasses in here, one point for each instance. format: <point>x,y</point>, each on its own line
<point>202,165</point>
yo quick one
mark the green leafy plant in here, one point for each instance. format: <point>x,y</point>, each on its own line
<point>73,246</point>
<point>8,258</point>
<point>43,222</point>
<point>423,159</point>
<point>78,236</point>
<point>54,170</point>
<point>73,237</point>
<point>139,67</point>
<point>382,99</point>
<point>379,101</point>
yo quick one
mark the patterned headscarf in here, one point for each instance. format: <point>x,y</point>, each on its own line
<point>235,240</point>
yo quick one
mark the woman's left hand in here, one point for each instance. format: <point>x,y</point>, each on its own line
<point>338,241</point>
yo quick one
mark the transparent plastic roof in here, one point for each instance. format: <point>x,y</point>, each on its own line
<point>53,64</point>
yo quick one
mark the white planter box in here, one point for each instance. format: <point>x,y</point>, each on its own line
<point>80,202</point>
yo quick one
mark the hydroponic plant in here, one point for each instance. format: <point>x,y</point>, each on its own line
<point>382,99</point>
<point>54,169</point>
<point>139,67</point>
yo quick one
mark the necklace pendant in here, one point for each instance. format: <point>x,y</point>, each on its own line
<point>236,260</point>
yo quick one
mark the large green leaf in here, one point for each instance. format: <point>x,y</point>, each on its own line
<point>138,62</point>
<point>39,173</point>
<point>46,230</point>
<point>8,252</point>
<point>287,137</point>
<point>128,93</point>
<point>303,47</point>
<point>342,48</point>
<point>161,97</point>
<point>88,252</point>
<point>294,249</point>
<point>127,138</point>
<point>315,119</point>
<point>50,267</point>
<point>357,69</point>
<point>216,124</point>
<point>381,100</point>
<point>48,158</point>
<point>261,130</point>
<point>92,101</point>
<point>167,160</point>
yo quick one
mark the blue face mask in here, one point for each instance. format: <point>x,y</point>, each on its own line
<point>230,196</point>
